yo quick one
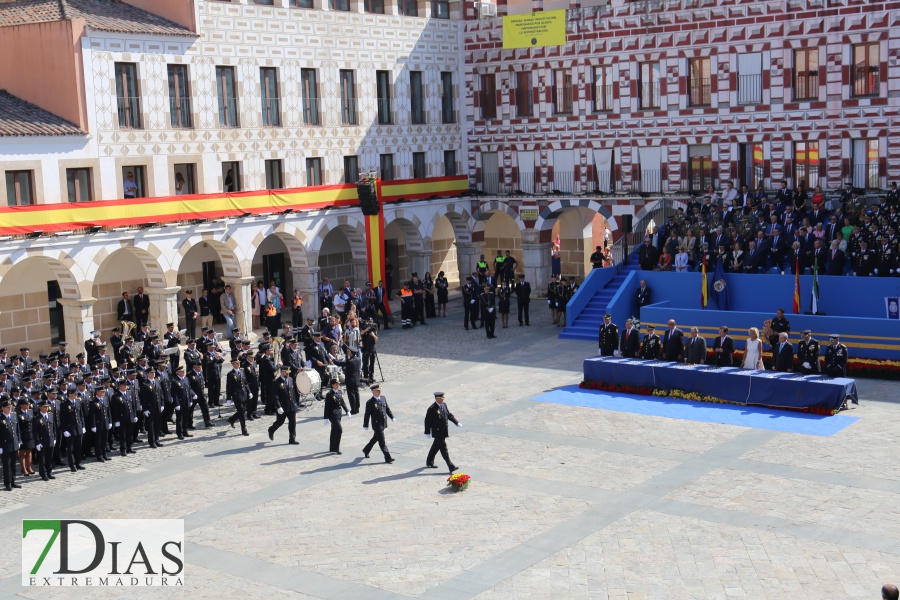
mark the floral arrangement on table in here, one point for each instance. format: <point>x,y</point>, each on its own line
<point>683,395</point>
<point>459,482</point>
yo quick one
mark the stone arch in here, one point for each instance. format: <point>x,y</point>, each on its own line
<point>460,219</point>
<point>411,227</point>
<point>293,237</point>
<point>486,210</point>
<point>228,251</point>
<point>148,257</point>
<point>555,209</point>
<point>351,226</point>
<point>72,282</point>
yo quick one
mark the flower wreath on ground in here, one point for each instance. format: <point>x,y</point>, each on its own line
<point>458,481</point>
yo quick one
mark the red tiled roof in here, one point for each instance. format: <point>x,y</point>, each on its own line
<point>102,15</point>
<point>21,118</point>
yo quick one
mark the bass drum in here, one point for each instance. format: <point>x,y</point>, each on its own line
<point>308,382</point>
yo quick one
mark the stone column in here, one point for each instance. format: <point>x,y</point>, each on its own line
<point>536,261</point>
<point>163,307</point>
<point>242,288</point>
<point>419,262</point>
<point>78,320</point>
<point>306,279</point>
<point>360,273</point>
<point>467,256</point>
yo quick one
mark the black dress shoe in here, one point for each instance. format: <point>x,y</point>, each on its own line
<point>431,466</point>
<point>180,437</point>
<point>271,435</point>
<point>209,424</point>
<point>158,445</point>
<point>45,478</point>
<point>188,435</point>
<point>16,485</point>
<point>366,454</point>
<point>231,423</point>
<point>51,476</point>
<point>338,452</point>
<point>389,460</point>
<point>454,468</point>
<point>132,451</point>
<point>8,488</point>
<point>294,443</point>
<point>245,432</point>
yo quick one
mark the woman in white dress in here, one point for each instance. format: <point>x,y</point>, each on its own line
<point>753,353</point>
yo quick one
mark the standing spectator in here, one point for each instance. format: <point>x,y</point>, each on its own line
<point>259,302</point>
<point>630,343</point>
<point>275,296</point>
<point>297,310</point>
<point>325,289</point>
<point>681,260</point>
<point>723,347</point>
<point>597,258</point>
<point>695,348</point>
<point>783,355</point>
<point>643,295</point>
<point>130,187</point>
<point>180,187</point>
<point>229,306</point>
<point>648,255</point>
<point>555,260</point>
<point>672,343</point>
<point>215,301</point>
<point>191,312</point>
<point>836,259</point>
<point>205,312</point>
<point>125,309</point>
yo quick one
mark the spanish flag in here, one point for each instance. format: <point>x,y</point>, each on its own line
<point>704,289</point>
<point>797,287</point>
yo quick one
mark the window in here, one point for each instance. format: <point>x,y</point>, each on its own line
<point>179,97</point>
<point>700,171</point>
<point>228,115</point>
<point>440,9</point>
<point>374,6</point>
<point>603,89</point>
<point>78,184</point>
<point>806,74</point>
<point>387,167</point>
<point>231,176</point>
<point>383,90</point>
<point>648,85</point>
<point>351,169</point>
<point>488,96</point>
<point>313,171</point>
<point>448,115</point>
<point>419,165</point>
<point>806,164</point>
<point>490,173</point>
<point>749,78</point>
<point>134,182</point>
<point>348,98</point>
<point>302,3</point>
<point>268,85</point>
<point>450,163</point>
<point>865,164</point>
<point>864,71</point>
<point>19,188</point>
<point>416,98</point>
<point>274,179</point>
<point>262,2</point>
<point>57,321</point>
<point>752,165</point>
<point>127,100</point>
<point>524,94</point>
<point>409,8</point>
<point>343,5</point>
<point>184,175</point>
<point>698,82</point>
<point>562,91</point>
<point>310,91</point>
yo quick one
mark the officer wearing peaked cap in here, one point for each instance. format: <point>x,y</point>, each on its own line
<point>437,420</point>
<point>378,411</point>
<point>286,397</point>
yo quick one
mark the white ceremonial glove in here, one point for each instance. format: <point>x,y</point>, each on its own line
<point>252,396</point>
<point>177,407</point>
<point>325,422</point>
<point>118,424</point>
<point>459,424</point>
<point>876,270</point>
<point>194,398</point>
<point>134,420</point>
<point>393,419</point>
<point>806,365</point>
<point>471,302</point>
<point>428,435</point>
<point>146,413</point>
<point>65,434</point>
<point>39,447</point>
<point>280,411</point>
<point>366,428</point>
<point>1,450</point>
<point>83,431</point>
<point>93,430</point>
<point>348,415</point>
<point>490,310</point>
<point>616,353</point>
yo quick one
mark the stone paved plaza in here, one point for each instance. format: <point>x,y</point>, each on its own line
<point>566,502</point>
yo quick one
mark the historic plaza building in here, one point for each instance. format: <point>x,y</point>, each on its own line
<point>163,98</point>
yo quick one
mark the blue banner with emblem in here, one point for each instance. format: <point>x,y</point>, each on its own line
<point>892,307</point>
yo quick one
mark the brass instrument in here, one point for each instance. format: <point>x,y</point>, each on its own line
<point>277,343</point>
<point>127,328</point>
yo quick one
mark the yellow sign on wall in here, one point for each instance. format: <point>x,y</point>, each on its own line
<point>534,29</point>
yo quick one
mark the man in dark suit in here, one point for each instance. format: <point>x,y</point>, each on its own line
<point>796,259</point>
<point>286,396</point>
<point>125,309</point>
<point>437,426</point>
<point>815,258</point>
<point>753,260</point>
<point>695,348</point>
<point>191,313</point>
<point>836,260</point>
<point>672,345</point>
<point>783,352</point>
<point>609,337</point>
<point>10,443</point>
<point>723,348</point>
<point>379,412</point>
<point>808,354</point>
<point>777,249</point>
<point>643,295</point>
<point>141,307</point>
<point>630,344</point>
<point>523,299</point>
<point>648,255</point>
<point>237,390</point>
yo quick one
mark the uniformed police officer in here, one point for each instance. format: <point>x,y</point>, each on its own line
<point>123,415</point>
<point>470,304</point>
<point>100,422</point>
<point>808,354</point>
<point>72,427</point>
<point>437,419</point>
<point>43,431</point>
<point>335,407</point>
<point>238,391</point>
<point>378,411</point>
<point>651,346</point>
<point>10,442</point>
<point>609,336</point>
<point>286,398</point>
<point>836,357</point>
<point>488,310</point>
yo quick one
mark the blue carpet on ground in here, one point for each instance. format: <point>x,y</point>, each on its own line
<point>728,414</point>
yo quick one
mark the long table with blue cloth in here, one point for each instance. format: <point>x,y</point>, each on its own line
<point>742,386</point>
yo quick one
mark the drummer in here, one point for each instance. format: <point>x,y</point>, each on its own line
<point>317,356</point>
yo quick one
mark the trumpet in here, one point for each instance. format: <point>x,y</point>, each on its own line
<point>277,343</point>
<point>127,328</point>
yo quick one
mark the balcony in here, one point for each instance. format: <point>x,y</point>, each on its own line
<point>603,98</point>
<point>864,176</point>
<point>806,86</point>
<point>864,80</point>
<point>647,181</point>
<point>384,111</point>
<point>699,92</point>
<point>448,115</point>
<point>180,113</point>
<point>271,112</point>
<point>749,89</point>
<point>129,108</point>
<point>228,112</point>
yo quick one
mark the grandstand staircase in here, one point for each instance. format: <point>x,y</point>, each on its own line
<point>587,322</point>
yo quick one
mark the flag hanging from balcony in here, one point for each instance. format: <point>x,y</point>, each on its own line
<point>797,287</point>
<point>375,239</point>
<point>815,288</point>
<point>704,289</point>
